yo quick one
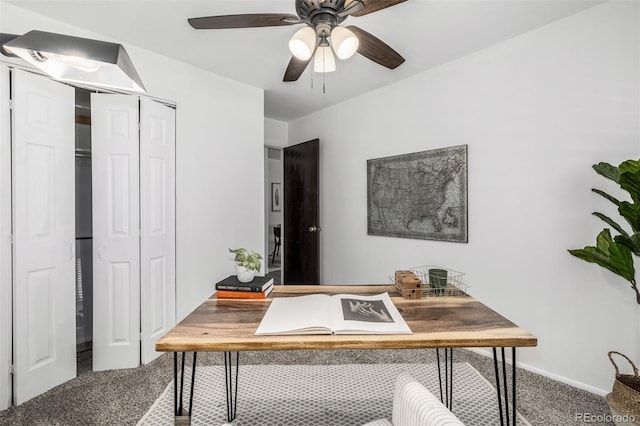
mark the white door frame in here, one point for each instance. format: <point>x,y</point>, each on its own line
<point>5,244</point>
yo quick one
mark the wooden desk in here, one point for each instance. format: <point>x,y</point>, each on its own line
<point>228,325</point>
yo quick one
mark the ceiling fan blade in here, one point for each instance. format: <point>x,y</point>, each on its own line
<point>371,47</point>
<point>351,8</point>
<point>243,21</point>
<point>375,5</point>
<point>295,68</point>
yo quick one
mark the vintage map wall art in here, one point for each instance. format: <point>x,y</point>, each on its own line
<point>421,195</point>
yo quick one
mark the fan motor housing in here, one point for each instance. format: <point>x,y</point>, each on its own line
<point>316,12</point>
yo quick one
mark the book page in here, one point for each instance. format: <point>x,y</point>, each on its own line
<point>357,314</point>
<point>309,314</point>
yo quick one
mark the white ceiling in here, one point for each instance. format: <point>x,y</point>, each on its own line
<point>426,32</point>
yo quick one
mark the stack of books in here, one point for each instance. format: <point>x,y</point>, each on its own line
<point>231,288</point>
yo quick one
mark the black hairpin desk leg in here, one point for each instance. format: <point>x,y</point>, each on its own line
<point>504,411</point>
<point>447,399</point>
<point>231,384</point>
<point>181,416</point>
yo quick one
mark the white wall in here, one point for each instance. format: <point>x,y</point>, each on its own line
<point>275,133</point>
<point>219,165</point>
<point>536,112</point>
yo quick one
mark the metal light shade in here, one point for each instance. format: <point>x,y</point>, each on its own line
<point>303,43</point>
<point>78,60</point>
<point>344,42</point>
<point>324,60</point>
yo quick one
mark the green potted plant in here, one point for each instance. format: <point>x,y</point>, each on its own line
<point>616,253</point>
<point>247,264</point>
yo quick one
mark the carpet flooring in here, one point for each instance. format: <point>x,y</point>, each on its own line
<point>122,397</point>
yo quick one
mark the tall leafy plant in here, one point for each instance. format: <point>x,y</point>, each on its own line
<point>616,253</point>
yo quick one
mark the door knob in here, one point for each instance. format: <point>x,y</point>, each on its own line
<point>315,229</point>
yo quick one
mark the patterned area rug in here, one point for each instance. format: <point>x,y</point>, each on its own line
<point>326,395</point>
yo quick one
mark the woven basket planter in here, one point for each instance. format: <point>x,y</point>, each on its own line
<point>624,399</point>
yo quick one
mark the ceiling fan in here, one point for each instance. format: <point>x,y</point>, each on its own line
<point>321,33</point>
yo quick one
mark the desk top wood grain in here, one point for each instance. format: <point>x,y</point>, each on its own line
<point>230,324</point>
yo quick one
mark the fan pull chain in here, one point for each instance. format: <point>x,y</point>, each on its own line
<point>324,73</point>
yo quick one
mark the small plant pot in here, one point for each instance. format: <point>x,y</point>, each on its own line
<point>438,279</point>
<point>245,275</point>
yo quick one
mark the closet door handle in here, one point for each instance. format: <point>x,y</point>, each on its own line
<point>99,250</point>
<point>70,251</point>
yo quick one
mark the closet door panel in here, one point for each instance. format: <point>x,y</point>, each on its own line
<point>157,212</point>
<point>116,272</point>
<point>44,232</point>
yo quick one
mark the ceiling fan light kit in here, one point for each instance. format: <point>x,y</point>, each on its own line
<point>303,43</point>
<point>322,33</point>
<point>324,60</point>
<point>344,42</point>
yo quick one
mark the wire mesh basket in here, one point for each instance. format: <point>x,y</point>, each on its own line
<point>435,284</point>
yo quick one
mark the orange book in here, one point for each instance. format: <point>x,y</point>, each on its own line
<point>233,294</point>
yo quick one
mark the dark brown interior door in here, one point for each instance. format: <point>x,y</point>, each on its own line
<point>301,239</point>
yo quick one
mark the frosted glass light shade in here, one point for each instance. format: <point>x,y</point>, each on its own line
<point>78,60</point>
<point>344,42</point>
<point>324,60</point>
<point>303,43</point>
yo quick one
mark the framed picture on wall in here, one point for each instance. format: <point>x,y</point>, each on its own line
<point>276,197</point>
<point>420,195</point>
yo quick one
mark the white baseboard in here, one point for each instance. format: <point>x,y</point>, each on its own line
<point>601,392</point>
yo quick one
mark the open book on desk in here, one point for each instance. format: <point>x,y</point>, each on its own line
<point>333,314</point>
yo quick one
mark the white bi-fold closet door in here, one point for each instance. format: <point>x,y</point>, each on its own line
<point>44,235</point>
<point>133,228</point>
<point>158,218</point>
<point>134,231</point>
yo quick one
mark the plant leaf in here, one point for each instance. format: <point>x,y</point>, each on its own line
<point>608,171</point>
<point>632,242</point>
<point>611,223</point>
<point>630,182</point>
<point>607,196</point>
<point>604,241</point>
<point>608,254</point>
<point>241,254</point>
<point>622,260</point>
<point>593,255</point>
<point>631,213</point>
<point>629,166</point>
